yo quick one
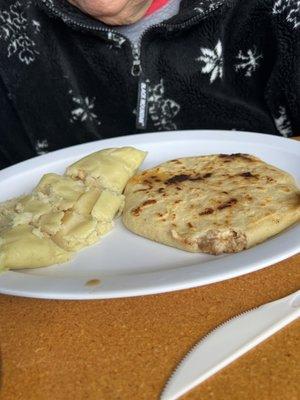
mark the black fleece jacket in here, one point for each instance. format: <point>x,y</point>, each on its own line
<point>65,78</point>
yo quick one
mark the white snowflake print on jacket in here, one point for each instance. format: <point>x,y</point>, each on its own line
<point>84,109</point>
<point>207,5</point>
<point>248,62</point>
<point>282,123</point>
<point>15,30</point>
<point>291,8</point>
<point>162,110</point>
<point>41,147</point>
<point>213,61</point>
<point>36,26</point>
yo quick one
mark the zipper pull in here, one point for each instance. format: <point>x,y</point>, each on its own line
<point>136,69</point>
<point>142,105</point>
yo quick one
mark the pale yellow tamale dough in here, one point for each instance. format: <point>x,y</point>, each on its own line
<point>107,206</point>
<point>66,213</point>
<point>51,223</point>
<point>103,227</point>
<point>31,205</point>
<point>21,248</point>
<point>7,211</point>
<point>86,201</point>
<point>109,168</point>
<point>77,231</point>
<point>61,191</point>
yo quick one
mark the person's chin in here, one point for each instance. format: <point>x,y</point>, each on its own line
<point>121,20</point>
<point>125,19</point>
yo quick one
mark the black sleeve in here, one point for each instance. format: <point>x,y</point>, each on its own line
<point>283,91</point>
<point>15,145</point>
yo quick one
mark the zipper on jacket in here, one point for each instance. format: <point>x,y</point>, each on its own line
<point>137,66</point>
<point>136,69</point>
<point>67,19</point>
<point>143,87</point>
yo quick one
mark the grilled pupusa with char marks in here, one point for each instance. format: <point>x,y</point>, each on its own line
<point>213,204</point>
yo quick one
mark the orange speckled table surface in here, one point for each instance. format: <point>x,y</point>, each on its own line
<point>126,348</point>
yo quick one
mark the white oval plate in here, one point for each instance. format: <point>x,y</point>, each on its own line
<point>129,265</point>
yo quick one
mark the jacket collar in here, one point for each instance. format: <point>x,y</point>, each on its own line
<point>72,16</point>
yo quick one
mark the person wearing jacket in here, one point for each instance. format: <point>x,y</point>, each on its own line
<point>82,70</point>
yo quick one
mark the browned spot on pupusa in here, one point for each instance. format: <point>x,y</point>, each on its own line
<point>137,211</point>
<point>229,157</point>
<point>227,204</point>
<point>207,211</point>
<point>187,241</point>
<point>177,179</point>
<point>140,190</point>
<point>218,242</point>
<point>248,175</point>
<point>93,282</point>
<point>184,177</point>
<point>176,161</point>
